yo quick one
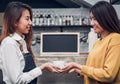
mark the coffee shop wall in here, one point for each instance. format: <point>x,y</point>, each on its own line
<point>75,26</point>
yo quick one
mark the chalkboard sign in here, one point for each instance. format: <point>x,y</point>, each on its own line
<point>59,43</point>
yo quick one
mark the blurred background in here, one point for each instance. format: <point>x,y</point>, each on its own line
<point>61,16</point>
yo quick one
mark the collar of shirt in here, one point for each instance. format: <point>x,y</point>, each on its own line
<point>17,37</point>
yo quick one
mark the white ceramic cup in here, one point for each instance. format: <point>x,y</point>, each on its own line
<point>59,64</point>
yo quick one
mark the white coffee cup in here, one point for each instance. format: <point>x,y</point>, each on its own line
<point>59,64</point>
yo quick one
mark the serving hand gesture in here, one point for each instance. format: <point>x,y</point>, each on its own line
<point>71,67</point>
<point>51,67</point>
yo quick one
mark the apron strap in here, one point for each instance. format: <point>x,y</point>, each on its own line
<point>21,47</point>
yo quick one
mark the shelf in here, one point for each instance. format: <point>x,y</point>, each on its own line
<point>61,28</point>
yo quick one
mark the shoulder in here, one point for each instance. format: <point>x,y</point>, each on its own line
<point>8,40</point>
<point>114,39</point>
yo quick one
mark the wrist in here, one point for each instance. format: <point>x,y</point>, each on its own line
<point>42,67</point>
<point>81,66</point>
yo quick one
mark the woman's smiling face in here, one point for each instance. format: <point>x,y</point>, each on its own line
<point>24,24</point>
<point>96,26</point>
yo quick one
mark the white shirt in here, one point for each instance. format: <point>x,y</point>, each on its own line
<point>12,61</point>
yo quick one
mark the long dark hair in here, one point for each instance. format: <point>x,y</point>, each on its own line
<point>106,16</point>
<point>12,15</point>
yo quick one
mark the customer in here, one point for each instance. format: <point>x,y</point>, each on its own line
<point>103,62</point>
<point>17,62</point>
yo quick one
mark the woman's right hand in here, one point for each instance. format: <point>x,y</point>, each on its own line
<point>51,67</point>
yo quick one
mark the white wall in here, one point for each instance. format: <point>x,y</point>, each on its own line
<point>64,11</point>
<point>92,2</point>
<point>117,7</point>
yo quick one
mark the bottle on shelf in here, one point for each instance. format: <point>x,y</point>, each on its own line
<point>37,19</point>
<point>33,19</point>
<point>41,18</point>
<point>50,17</point>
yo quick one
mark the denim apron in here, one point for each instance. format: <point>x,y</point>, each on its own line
<point>29,65</point>
<point>1,78</point>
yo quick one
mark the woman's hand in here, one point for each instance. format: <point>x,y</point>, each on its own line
<point>72,67</point>
<point>50,67</point>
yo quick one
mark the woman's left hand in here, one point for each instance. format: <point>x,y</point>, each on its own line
<point>71,67</point>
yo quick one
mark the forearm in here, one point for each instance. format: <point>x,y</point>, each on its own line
<point>98,74</point>
<point>28,76</point>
